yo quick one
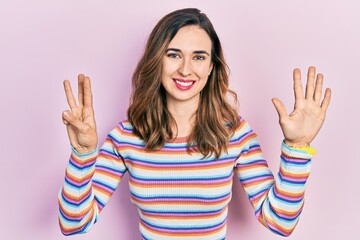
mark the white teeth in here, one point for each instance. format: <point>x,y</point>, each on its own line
<point>184,84</point>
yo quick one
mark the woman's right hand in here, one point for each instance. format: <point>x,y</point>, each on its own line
<point>80,119</point>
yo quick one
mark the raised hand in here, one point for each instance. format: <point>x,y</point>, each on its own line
<point>304,122</point>
<point>80,120</point>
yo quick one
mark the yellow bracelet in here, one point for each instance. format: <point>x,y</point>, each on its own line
<point>307,149</point>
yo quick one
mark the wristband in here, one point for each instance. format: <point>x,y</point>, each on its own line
<point>305,150</point>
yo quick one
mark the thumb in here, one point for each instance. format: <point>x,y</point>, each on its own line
<point>70,119</point>
<point>280,108</point>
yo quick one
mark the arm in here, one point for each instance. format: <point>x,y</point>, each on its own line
<point>278,201</point>
<point>91,176</point>
<point>90,181</point>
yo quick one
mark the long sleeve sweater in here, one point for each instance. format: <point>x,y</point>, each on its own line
<point>181,195</point>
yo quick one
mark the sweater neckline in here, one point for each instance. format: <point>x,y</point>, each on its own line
<point>179,140</point>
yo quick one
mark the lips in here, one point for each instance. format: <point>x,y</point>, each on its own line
<point>183,84</point>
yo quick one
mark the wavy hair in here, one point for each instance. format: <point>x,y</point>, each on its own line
<point>216,117</point>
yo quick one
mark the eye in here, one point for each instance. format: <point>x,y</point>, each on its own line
<point>173,55</point>
<point>199,57</point>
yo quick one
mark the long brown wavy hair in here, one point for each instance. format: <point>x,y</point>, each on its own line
<point>216,118</point>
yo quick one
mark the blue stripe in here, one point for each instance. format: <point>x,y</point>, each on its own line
<point>110,152</point>
<point>98,200</point>
<point>184,178</point>
<point>100,166</point>
<point>290,181</point>
<point>285,219</point>
<point>104,185</point>
<point>294,163</point>
<point>259,192</point>
<point>178,161</point>
<point>78,186</point>
<point>75,204</point>
<point>145,238</point>
<point>86,167</point>
<point>242,136</point>
<point>252,161</point>
<point>276,231</point>
<point>68,220</point>
<point>256,176</point>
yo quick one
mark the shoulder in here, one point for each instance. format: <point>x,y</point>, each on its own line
<point>124,132</point>
<point>243,126</point>
<point>243,129</point>
<point>125,126</point>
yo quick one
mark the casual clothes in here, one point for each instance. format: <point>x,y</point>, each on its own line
<point>181,195</point>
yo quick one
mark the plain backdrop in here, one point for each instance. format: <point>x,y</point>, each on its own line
<point>44,42</point>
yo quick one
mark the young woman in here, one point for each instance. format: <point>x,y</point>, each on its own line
<point>183,141</point>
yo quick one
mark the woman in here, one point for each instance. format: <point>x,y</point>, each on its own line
<point>183,140</point>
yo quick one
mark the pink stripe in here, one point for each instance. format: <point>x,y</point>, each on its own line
<point>185,199</point>
<point>185,230</point>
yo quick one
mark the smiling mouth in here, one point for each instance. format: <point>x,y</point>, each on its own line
<point>184,84</point>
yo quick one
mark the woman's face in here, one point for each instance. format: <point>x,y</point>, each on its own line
<point>186,65</point>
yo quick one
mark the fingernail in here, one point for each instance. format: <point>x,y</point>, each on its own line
<point>66,114</point>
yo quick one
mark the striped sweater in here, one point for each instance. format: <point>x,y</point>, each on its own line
<point>181,195</point>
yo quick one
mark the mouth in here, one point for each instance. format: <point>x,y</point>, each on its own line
<point>183,84</point>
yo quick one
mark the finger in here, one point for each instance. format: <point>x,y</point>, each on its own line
<point>88,102</point>
<point>310,83</point>
<point>325,103</point>
<point>318,88</point>
<point>280,108</point>
<point>298,89</point>
<point>64,121</point>
<point>72,120</point>
<point>69,95</point>
<point>81,89</point>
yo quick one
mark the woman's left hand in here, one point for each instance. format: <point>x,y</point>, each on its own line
<point>304,122</point>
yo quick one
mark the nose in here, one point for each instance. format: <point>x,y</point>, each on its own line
<point>185,68</point>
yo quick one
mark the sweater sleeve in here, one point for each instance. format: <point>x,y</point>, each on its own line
<point>90,180</point>
<point>277,201</point>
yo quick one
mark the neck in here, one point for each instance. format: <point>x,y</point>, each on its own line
<point>184,115</point>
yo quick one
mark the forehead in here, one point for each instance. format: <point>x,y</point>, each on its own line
<point>191,38</point>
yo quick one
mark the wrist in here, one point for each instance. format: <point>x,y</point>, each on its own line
<point>296,144</point>
<point>300,147</point>
<point>84,150</point>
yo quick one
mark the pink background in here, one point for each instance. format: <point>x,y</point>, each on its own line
<point>44,42</point>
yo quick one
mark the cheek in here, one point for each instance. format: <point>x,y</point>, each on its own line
<point>203,71</point>
<point>168,67</point>
<point>167,71</point>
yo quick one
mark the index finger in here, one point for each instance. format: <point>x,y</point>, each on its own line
<point>88,102</point>
<point>69,95</point>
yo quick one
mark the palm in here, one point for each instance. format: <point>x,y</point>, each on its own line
<point>302,125</point>
<point>80,121</point>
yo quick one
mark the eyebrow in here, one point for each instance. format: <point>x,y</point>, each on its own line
<point>196,52</point>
